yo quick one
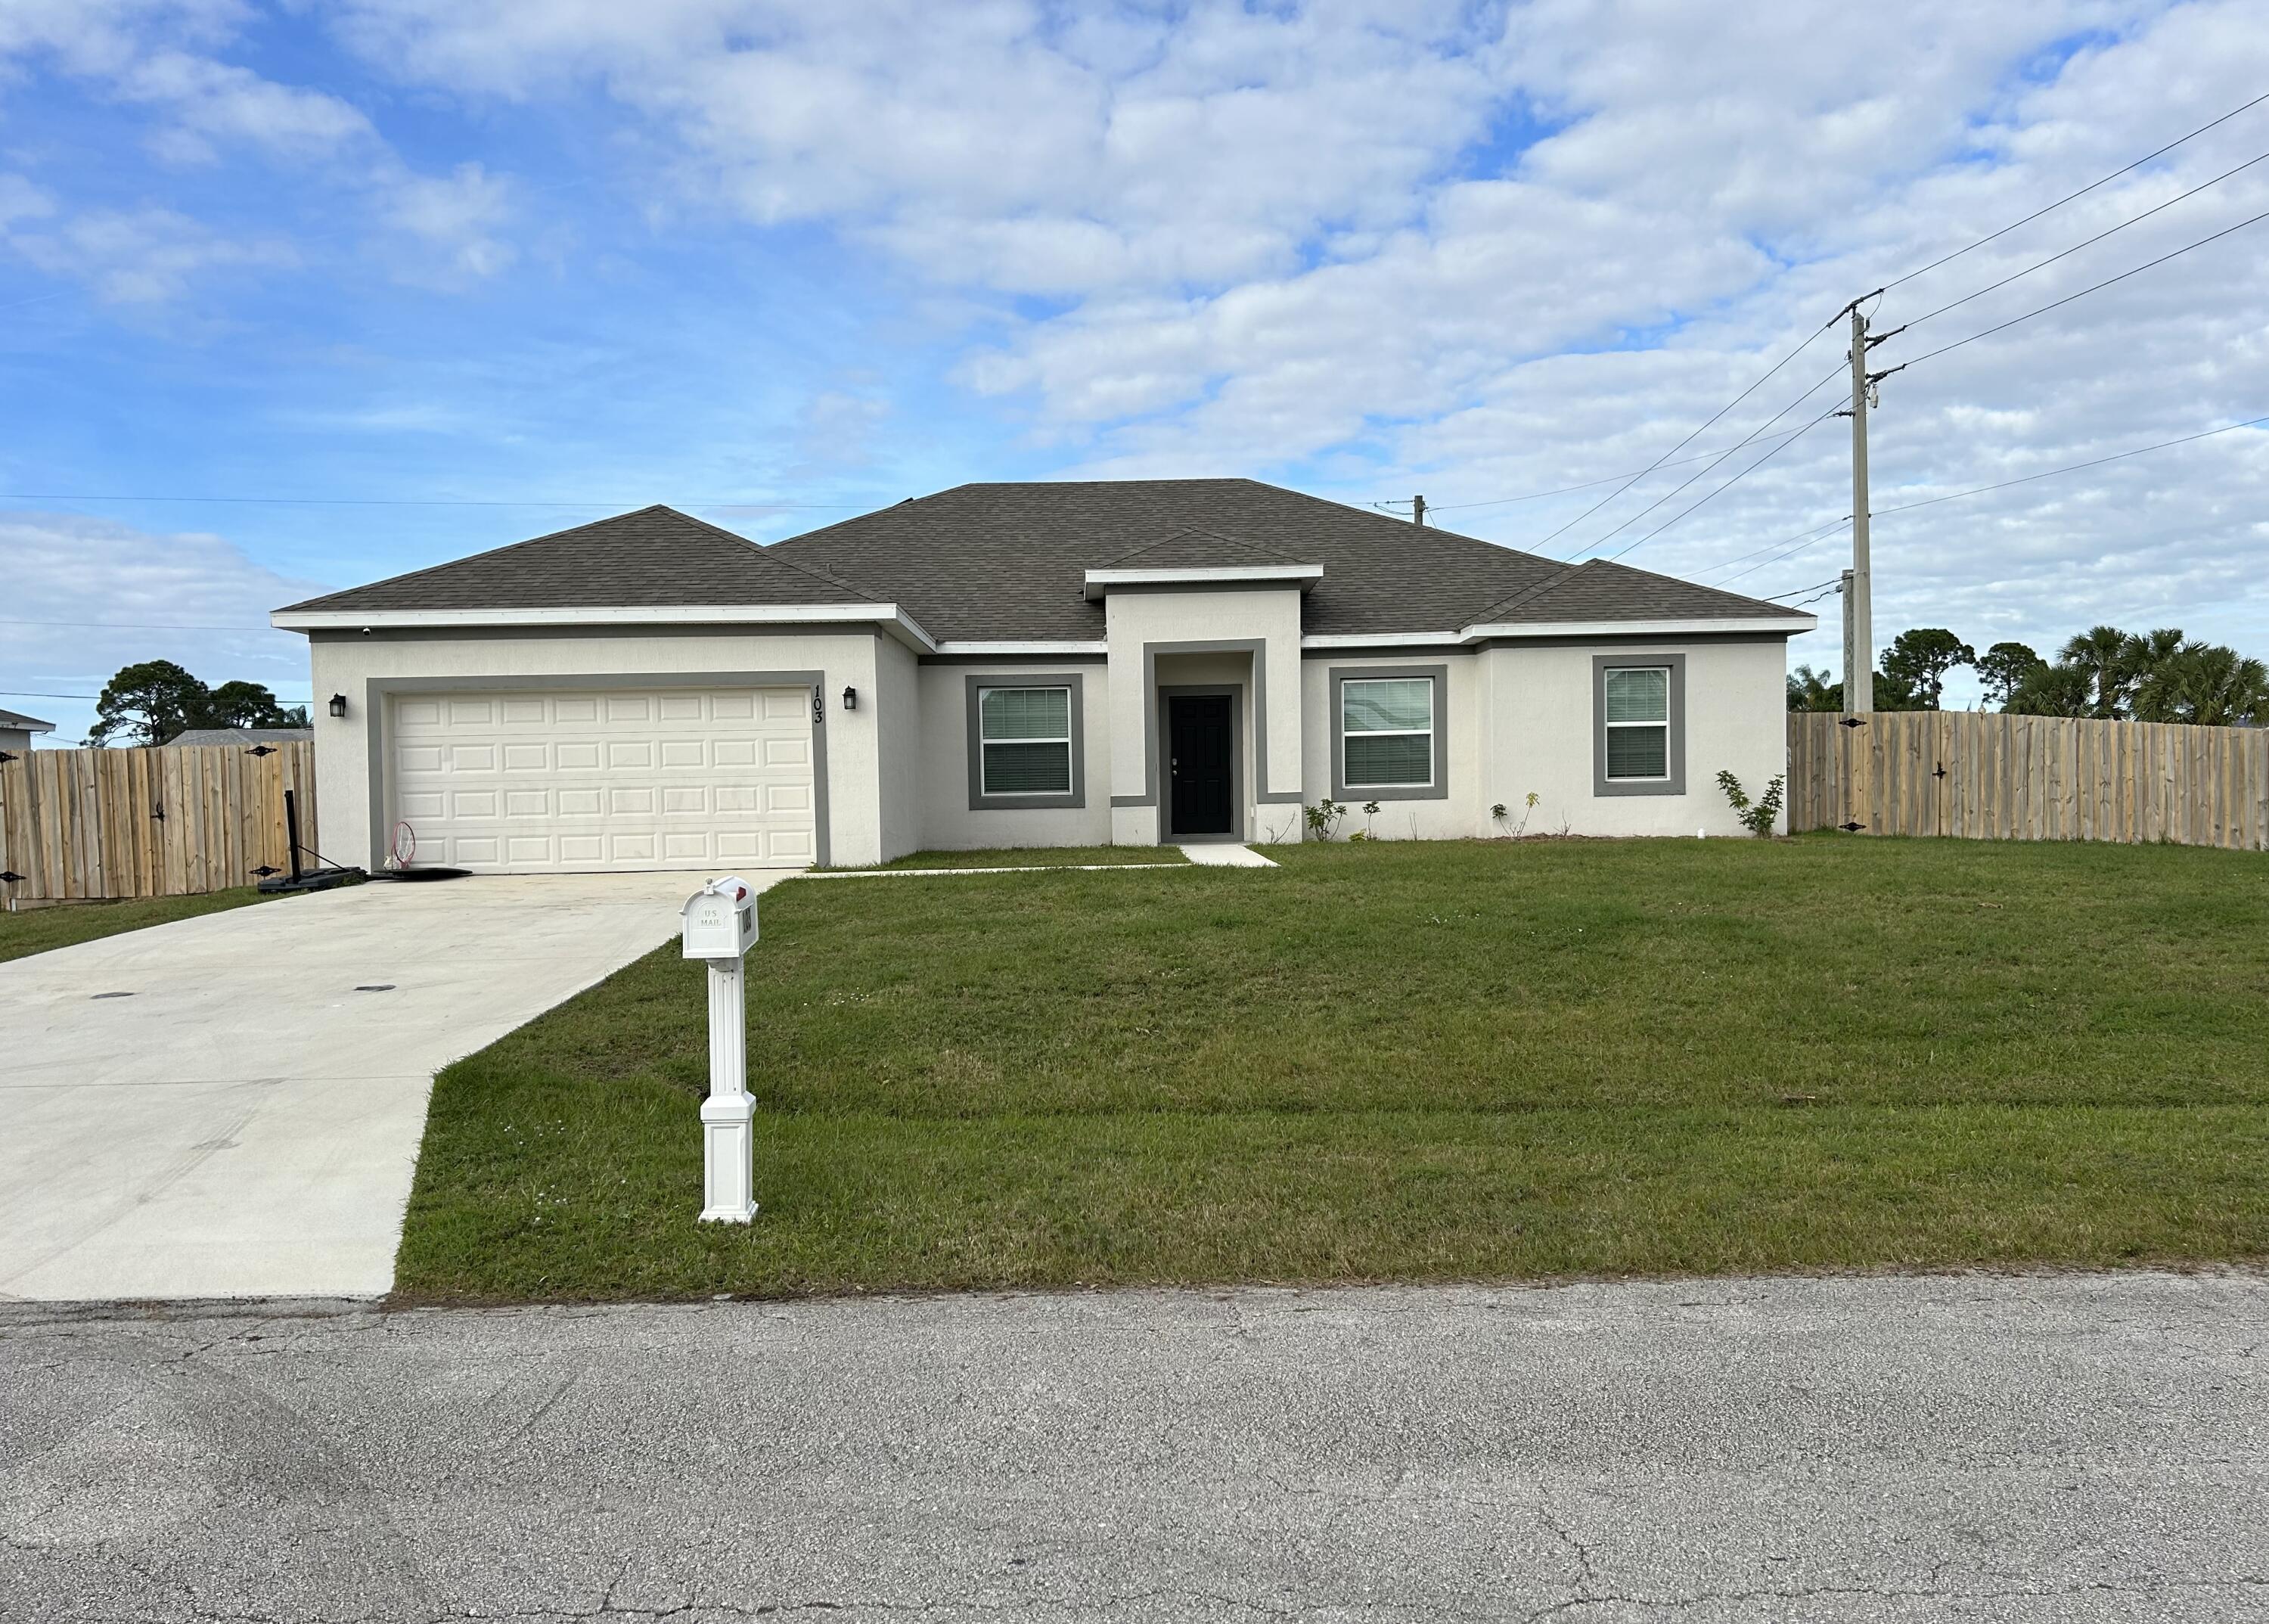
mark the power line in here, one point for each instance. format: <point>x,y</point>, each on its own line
<point>1720,458</point>
<point>2091,186</point>
<point>1729,484</point>
<point>131,626</point>
<point>1534,496</point>
<point>2084,293</point>
<point>358,501</point>
<point>2074,467</point>
<point>1784,558</point>
<point>1696,434</point>
<point>2077,246</point>
<point>28,693</point>
<point>1832,526</point>
<point>1956,496</point>
<point>1793,591</point>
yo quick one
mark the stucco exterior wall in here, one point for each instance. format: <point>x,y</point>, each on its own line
<point>1462,811</point>
<point>1519,718</point>
<point>1166,622</point>
<point>360,665</point>
<point>898,706</point>
<point>1537,703</point>
<point>947,821</point>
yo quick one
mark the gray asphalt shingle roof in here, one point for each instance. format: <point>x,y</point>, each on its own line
<point>655,558</point>
<point>191,736</point>
<point>31,724</point>
<point>1008,562</point>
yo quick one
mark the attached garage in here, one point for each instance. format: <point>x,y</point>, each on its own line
<point>515,781</point>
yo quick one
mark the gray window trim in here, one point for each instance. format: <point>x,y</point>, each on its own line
<point>1602,784</point>
<point>1440,789</point>
<point>1235,694</point>
<point>377,690</point>
<point>1258,648</point>
<point>978,800</point>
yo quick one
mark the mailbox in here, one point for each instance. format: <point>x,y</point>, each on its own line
<point>719,921</point>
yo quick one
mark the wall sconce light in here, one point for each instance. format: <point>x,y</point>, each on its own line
<point>338,704</point>
<point>850,699</point>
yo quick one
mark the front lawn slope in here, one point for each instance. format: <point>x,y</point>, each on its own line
<point>1404,1061</point>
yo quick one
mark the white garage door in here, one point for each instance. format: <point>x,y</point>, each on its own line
<point>513,782</point>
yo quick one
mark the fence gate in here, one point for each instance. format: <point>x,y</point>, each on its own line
<point>149,823</point>
<point>1985,776</point>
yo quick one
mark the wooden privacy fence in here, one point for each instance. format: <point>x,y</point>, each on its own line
<point>1985,776</point>
<point>149,822</point>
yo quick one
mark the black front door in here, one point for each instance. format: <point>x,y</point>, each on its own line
<point>1200,758</point>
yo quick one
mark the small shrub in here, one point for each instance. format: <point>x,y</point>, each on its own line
<point>1757,817</point>
<point>1324,817</point>
<point>1500,812</point>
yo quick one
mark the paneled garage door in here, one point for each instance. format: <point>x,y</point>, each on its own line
<point>515,782</point>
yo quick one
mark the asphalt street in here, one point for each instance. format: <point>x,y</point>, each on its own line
<point>2043,1447</point>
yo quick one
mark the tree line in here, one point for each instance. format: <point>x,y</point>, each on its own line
<point>156,700</point>
<point>2152,676</point>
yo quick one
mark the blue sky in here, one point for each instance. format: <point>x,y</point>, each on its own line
<point>776,265</point>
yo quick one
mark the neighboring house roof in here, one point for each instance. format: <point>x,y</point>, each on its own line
<point>239,735</point>
<point>985,563</point>
<point>13,719</point>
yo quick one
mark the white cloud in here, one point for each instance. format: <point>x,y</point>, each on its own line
<point>139,54</point>
<point>1000,145</point>
<point>215,102</point>
<point>459,215</point>
<point>89,595</point>
<point>20,200</point>
<point>1302,238</point>
<point>137,256</point>
<point>1435,247</point>
<point>140,50</point>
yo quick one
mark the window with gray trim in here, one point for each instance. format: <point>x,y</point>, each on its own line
<point>1387,732</point>
<point>1638,724</point>
<point>1024,739</point>
<point>1024,742</point>
<point>1637,701</point>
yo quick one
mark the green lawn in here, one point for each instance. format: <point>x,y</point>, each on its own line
<point>35,930</point>
<point>1037,857</point>
<point>1405,1061</point>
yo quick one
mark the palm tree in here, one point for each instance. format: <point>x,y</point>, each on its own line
<point>2065,689</point>
<point>2101,653</point>
<point>1811,690</point>
<point>2204,683</point>
<point>2141,656</point>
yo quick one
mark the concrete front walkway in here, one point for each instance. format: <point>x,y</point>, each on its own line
<point>1221,855</point>
<point>246,1122</point>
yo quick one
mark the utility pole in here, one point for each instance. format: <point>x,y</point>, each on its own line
<point>1417,510</point>
<point>1851,638</point>
<point>1858,606</point>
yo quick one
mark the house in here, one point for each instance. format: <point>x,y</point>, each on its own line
<point>248,738</point>
<point>1003,665</point>
<point>16,731</point>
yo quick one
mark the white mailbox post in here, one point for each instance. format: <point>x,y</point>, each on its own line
<point>720,924</point>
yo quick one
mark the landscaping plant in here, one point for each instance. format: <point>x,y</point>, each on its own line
<point>1324,817</point>
<point>1758,817</point>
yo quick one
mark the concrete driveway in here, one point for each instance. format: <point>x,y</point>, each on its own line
<point>246,1121</point>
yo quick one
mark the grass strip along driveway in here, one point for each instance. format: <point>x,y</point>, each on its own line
<point>1404,1061</point>
<point>36,930</point>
